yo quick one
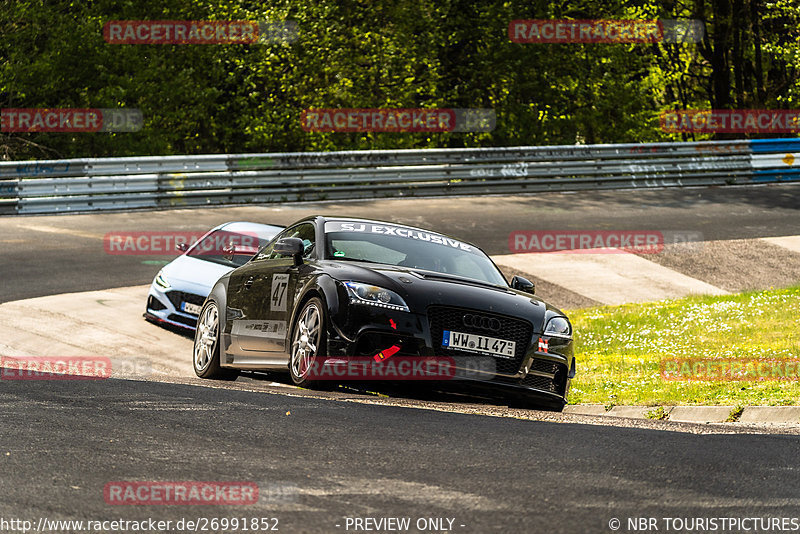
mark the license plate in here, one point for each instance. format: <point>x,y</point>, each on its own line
<point>475,343</point>
<point>188,307</point>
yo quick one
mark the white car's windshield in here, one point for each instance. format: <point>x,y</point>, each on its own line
<point>227,248</point>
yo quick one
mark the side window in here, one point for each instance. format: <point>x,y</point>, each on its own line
<point>265,252</point>
<point>303,231</point>
<point>307,234</point>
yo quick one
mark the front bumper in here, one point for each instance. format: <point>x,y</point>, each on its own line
<point>164,307</point>
<point>360,330</point>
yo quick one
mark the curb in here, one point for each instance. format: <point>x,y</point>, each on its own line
<point>702,414</point>
<point>631,412</point>
<point>695,414</point>
<point>770,414</point>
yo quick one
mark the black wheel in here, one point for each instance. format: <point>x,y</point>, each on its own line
<point>308,339</point>
<point>206,352</point>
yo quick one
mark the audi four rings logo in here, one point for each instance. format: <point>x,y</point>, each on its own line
<point>481,322</point>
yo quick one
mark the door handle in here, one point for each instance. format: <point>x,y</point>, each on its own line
<point>249,283</point>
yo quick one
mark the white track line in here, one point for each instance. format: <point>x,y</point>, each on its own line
<point>790,242</point>
<point>57,230</point>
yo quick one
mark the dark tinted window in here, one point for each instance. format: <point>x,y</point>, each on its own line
<point>227,248</point>
<point>408,247</point>
<point>304,231</point>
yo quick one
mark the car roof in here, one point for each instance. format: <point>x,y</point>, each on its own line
<point>324,219</point>
<point>261,230</point>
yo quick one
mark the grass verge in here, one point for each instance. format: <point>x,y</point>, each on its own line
<point>638,353</point>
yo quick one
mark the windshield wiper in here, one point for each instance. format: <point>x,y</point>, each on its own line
<point>456,278</point>
<point>357,259</point>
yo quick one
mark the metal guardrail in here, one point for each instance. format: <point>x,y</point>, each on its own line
<point>81,185</point>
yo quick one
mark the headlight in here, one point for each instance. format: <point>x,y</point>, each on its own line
<point>558,327</point>
<point>375,296</point>
<point>161,281</point>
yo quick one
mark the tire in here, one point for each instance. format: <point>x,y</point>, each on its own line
<point>206,351</point>
<point>308,339</point>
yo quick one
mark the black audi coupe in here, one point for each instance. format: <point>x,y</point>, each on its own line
<point>345,299</point>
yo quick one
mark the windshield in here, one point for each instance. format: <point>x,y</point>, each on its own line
<point>407,247</point>
<point>227,248</point>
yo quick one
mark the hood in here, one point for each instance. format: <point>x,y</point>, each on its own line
<point>193,275</point>
<point>421,289</point>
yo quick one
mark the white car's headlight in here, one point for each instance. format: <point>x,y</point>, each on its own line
<point>161,281</point>
<point>375,296</point>
<point>558,326</point>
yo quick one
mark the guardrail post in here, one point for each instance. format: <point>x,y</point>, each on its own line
<point>9,197</point>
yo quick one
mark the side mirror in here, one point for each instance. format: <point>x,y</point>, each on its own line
<point>291,246</point>
<point>183,247</point>
<point>523,284</point>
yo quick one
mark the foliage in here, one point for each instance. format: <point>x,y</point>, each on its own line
<point>624,351</point>
<point>374,53</point>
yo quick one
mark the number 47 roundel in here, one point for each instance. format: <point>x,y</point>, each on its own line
<point>277,301</point>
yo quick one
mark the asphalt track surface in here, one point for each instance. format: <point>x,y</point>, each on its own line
<point>319,460</point>
<point>46,255</point>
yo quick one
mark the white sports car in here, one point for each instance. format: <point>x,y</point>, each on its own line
<point>180,287</point>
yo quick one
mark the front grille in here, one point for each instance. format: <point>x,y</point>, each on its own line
<point>540,382</point>
<point>183,320</point>
<point>555,384</point>
<point>154,304</point>
<point>176,297</point>
<point>441,318</point>
<point>545,366</point>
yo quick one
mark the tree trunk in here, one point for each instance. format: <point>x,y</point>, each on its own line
<point>738,58</point>
<point>720,75</point>
<point>755,19</point>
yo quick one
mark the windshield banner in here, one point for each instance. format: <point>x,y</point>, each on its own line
<point>397,231</point>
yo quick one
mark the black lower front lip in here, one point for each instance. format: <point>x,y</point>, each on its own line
<point>505,390</point>
<point>181,327</point>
